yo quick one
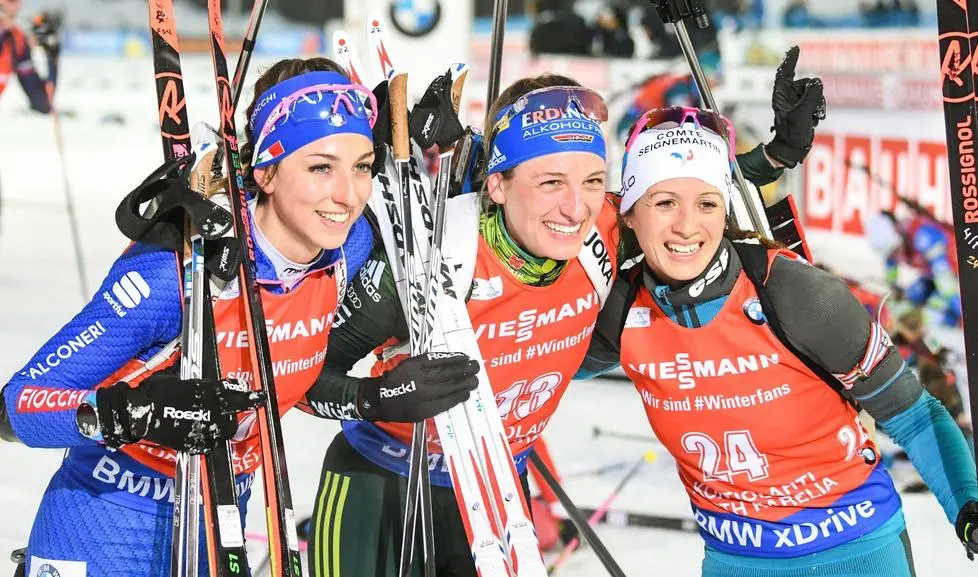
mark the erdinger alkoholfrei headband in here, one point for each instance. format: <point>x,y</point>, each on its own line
<point>547,121</point>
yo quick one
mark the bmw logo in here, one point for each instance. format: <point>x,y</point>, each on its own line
<point>415,17</point>
<point>753,310</point>
<point>868,455</point>
<point>48,570</point>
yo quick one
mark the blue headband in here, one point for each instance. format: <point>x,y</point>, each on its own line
<point>538,130</point>
<point>306,108</point>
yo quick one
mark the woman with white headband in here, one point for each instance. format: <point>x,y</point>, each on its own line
<point>750,362</point>
<point>106,386</point>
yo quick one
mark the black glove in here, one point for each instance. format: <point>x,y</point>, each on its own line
<point>967,527</point>
<point>46,27</point>
<point>383,135</point>
<point>418,388</point>
<point>190,416</point>
<point>798,107</point>
<point>168,187</point>
<point>433,119</point>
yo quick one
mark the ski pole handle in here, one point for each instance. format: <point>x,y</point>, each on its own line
<point>397,92</point>
<point>673,11</point>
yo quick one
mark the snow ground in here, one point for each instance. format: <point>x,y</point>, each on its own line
<point>39,291</point>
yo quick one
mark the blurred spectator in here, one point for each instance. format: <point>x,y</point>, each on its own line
<point>611,37</point>
<point>665,43</point>
<point>557,29</point>
<point>739,14</point>
<point>908,13</point>
<point>875,14</point>
<point>796,15</point>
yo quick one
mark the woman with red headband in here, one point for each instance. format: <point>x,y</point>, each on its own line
<point>749,362</point>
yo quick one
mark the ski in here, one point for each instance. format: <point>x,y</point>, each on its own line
<point>283,540</point>
<point>957,24</point>
<point>175,135</point>
<point>418,497</point>
<point>347,57</point>
<point>462,459</point>
<point>624,518</point>
<point>478,427</point>
<point>225,541</point>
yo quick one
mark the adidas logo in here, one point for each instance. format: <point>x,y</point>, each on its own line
<point>370,275</point>
<point>497,157</point>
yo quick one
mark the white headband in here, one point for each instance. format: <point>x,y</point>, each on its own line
<point>659,154</point>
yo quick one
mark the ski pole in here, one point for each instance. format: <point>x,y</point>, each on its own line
<point>247,47</point>
<point>598,514</point>
<point>495,56</point>
<point>69,197</point>
<point>674,12</point>
<point>599,432</point>
<point>578,518</point>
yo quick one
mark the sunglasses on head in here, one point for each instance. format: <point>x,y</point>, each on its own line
<point>587,102</point>
<point>680,115</point>
<point>301,106</point>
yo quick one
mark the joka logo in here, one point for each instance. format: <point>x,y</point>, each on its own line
<point>415,17</point>
<point>398,391</point>
<point>130,290</point>
<point>753,310</point>
<point>178,415</point>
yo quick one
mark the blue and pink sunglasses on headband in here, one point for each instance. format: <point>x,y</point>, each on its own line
<point>680,115</point>
<point>353,98</point>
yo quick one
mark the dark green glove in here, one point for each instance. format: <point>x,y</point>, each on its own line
<point>798,107</point>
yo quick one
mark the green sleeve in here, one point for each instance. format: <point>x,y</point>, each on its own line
<point>369,315</point>
<point>757,168</point>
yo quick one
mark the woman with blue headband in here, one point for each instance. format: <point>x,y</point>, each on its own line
<point>108,508</point>
<point>752,365</point>
<point>541,247</point>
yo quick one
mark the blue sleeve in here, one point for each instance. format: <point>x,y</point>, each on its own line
<point>593,371</point>
<point>135,311</point>
<point>358,246</point>
<point>32,83</point>
<point>931,242</point>
<point>937,450</point>
<point>473,168</point>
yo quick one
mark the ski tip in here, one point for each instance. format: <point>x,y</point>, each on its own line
<point>340,41</point>
<point>651,456</point>
<point>375,36</point>
<point>375,26</point>
<point>346,56</point>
